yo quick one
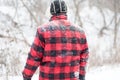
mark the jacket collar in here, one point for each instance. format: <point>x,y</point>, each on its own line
<point>58,17</point>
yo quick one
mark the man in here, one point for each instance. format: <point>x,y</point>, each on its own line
<point>60,48</point>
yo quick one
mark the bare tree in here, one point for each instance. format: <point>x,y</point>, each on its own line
<point>32,15</point>
<point>77,12</point>
<point>115,22</point>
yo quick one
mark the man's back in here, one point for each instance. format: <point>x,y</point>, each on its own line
<point>60,50</point>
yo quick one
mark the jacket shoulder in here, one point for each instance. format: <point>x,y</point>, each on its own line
<point>78,28</point>
<point>43,27</point>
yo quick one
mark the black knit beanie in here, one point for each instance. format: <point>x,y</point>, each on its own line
<point>57,7</point>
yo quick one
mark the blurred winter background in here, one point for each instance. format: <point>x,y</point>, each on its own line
<point>100,19</point>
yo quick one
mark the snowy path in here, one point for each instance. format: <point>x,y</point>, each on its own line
<point>102,73</point>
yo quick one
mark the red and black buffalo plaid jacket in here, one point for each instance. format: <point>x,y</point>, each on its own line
<point>60,50</point>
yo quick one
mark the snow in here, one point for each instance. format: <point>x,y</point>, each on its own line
<point>104,73</point>
<point>100,73</point>
<point>7,10</point>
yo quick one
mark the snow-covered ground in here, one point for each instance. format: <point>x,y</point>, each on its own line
<point>104,73</point>
<point>100,73</point>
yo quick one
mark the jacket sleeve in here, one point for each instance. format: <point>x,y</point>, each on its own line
<point>34,56</point>
<point>84,54</point>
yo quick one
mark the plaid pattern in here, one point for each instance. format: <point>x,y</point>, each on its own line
<point>60,50</point>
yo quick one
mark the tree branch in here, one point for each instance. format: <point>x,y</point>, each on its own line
<point>30,12</point>
<point>77,16</point>
<point>14,38</point>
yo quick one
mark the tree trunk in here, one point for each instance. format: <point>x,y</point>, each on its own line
<point>115,27</point>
